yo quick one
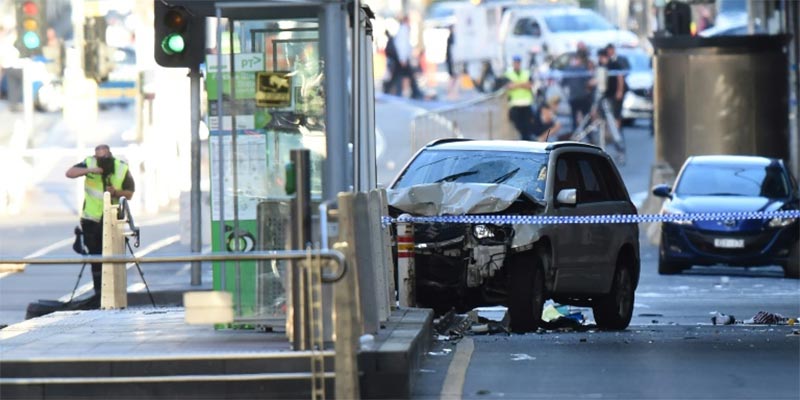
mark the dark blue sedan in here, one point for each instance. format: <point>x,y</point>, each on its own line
<point>730,184</point>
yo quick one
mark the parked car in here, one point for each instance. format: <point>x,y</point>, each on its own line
<point>464,265</point>
<point>730,184</point>
<point>638,100</point>
<point>556,30</point>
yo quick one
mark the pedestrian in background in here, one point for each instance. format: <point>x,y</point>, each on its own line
<point>615,82</point>
<point>405,69</point>
<point>452,87</point>
<point>545,120</point>
<point>520,98</point>
<point>392,64</point>
<point>103,173</point>
<point>578,82</point>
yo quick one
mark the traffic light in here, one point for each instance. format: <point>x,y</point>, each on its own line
<point>30,27</point>
<point>678,18</point>
<point>180,36</point>
<point>97,62</point>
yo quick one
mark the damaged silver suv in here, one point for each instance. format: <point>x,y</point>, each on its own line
<point>520,265</point>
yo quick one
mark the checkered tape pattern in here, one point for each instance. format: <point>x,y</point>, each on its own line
<point>590,219</point>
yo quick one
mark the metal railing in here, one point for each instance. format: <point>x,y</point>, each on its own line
<point>485,117</point>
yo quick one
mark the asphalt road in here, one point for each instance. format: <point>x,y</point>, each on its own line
<point>670,351</point>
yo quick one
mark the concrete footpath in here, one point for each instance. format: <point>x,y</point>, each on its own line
<point>150,352</point>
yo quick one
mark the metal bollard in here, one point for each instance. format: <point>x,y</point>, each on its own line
<point>405,263</point>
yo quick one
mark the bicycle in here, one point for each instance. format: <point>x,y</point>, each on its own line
<point>599,125</point>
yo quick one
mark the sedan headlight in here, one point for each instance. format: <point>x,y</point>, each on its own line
<point>482,232</point>
<point>781,222</point>
<point>672,211</point>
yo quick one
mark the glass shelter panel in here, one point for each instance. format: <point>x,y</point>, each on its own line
<point>264,100</point>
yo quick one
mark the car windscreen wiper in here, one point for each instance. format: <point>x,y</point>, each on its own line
<point>504,177</point>
<point>723,194</point>
<point>450,178</point>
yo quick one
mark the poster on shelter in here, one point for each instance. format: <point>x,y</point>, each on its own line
<point>273,89</point>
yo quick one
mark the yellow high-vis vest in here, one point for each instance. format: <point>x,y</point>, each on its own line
<point>94,188</point>
<point>519,97</point>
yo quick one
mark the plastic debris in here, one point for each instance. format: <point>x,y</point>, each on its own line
<point>367,341</point>
<point>718,318</point>
<point>522,357</point>
<point>768,318</point>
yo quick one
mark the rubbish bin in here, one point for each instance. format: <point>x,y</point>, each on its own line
<point>720,95</point>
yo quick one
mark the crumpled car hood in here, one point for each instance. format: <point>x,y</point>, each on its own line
<point>452,198</point>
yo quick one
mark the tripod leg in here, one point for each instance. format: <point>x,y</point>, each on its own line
<point>80,275</point>
<point>141,274</point>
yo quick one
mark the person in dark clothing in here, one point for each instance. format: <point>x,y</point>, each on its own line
<point>615,84</point>
<point>392,65</point>
<point>578,83</point>
<point>545,121</point>
<point>451,68</point>
<point>103,173</point>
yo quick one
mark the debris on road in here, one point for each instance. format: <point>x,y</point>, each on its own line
<point>768,318</point>
<point>718,318</point>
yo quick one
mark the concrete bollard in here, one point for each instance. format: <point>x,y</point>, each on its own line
<point>406,280</point>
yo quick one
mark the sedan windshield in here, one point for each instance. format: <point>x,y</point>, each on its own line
<point>733,180</point>
<point>525,171</point>
<point>577,23</point>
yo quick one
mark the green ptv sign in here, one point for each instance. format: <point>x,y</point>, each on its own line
<point>245,67</point>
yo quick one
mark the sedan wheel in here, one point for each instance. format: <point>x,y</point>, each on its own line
<point>526,292</point>
<point>614,311</point>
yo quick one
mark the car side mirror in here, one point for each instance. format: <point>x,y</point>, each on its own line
<point>662,190</point>
<point>567,196</point>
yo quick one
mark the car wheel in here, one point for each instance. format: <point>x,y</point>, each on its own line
<point>614,310</point>
<point>792,267</point>
<point>527,291</point>
<point>669,268</point>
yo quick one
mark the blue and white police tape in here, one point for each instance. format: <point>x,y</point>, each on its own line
<point>590,219</point>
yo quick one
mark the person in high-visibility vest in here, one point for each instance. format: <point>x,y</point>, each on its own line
<point>520,99</point>
<point>103,173</point>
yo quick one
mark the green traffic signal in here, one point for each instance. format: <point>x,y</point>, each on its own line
<point>31,40</point>
<point>173,44</point>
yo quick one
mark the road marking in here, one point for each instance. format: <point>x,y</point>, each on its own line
<point>85,288</point>
<point>35,254</point>
<point>9,269</point>
<point>456,374</point>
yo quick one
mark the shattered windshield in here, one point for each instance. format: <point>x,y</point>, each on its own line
<point>522,170</point>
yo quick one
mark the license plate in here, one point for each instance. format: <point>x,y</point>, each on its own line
<point>729,243</point>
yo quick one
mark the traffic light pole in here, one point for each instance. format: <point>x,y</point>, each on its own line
<point>196,221</point>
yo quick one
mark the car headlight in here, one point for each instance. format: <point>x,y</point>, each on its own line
<point>781,222</point>
<point>672,211</point>
<point>482,232</point>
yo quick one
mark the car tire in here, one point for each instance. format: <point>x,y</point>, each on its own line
<point>615,310</point>
<point>527,291</point>
<point>669,268</point>
<point>792,267</point>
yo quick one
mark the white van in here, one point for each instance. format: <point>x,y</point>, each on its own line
<point>551,31</point>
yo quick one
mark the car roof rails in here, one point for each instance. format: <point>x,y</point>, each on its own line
<point>437,142</point>
<point>558,145</point>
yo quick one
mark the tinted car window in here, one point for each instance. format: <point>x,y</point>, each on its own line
<point>526,171</point>
<point>566,176</point>
<point>733,180</point>
<point>613,188</point>
<point>590,190</point>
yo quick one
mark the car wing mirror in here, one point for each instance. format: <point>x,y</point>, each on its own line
<point>567,196</point>
<point>662,190</point>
